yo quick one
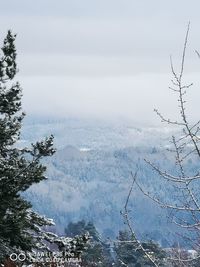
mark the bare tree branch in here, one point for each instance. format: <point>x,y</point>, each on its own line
<point>129,224</point>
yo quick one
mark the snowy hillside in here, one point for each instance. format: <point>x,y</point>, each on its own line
<point>89,176</point>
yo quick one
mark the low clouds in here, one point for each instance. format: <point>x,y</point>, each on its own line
<point>123,97</point>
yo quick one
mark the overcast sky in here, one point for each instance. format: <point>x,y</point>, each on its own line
<point>103,58</point>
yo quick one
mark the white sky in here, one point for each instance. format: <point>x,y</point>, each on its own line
<point>102,58</point>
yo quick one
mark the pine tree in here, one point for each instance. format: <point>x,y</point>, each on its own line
<point>20,226</point>
<point>97,252</point>
<point>128,253</point>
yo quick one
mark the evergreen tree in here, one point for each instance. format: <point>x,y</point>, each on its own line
<point>20,226</point>
<point>128,252</point>
<point>97,252</point>
<point>81,227</point>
